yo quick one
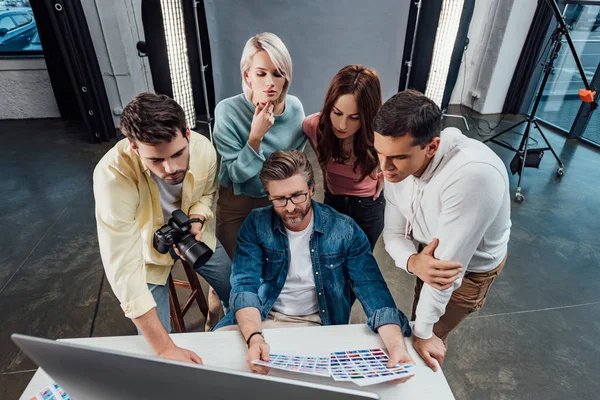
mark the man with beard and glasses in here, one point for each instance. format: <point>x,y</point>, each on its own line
<point>160,166</point>
<point>297,262</point>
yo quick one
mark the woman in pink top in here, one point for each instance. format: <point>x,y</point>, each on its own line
<point>342,136</point>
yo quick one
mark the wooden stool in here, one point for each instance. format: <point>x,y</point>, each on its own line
<point>193,284</point>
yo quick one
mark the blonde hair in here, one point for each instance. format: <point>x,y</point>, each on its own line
<point>278,53</point>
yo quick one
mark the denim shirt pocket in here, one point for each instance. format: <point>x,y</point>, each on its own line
<point>332,267</point>
<point>332,261</point>
<point>273,261</point>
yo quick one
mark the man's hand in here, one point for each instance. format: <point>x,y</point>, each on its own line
<point>258,350</point>
<point>150,326</point>
<point>436,273</point>
<point>399,355</point>
<point>392,338</point>
<point>180,354</point>
<point>196,230</point>
<point>430,349</point>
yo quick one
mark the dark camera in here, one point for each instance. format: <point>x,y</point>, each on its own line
<point>177,232</point>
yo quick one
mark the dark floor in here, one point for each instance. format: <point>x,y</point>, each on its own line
<point>538,337</point>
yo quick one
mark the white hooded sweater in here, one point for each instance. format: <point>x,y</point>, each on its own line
<point>463,199</point>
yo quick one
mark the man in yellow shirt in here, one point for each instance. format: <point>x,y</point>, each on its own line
<point>160,166</point>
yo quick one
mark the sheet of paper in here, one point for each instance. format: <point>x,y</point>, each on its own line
<point>52,392</point>
<point>304,364</point>
<point>365,367</point>
<point>395,373</point>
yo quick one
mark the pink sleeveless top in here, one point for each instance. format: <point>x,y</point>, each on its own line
<point>340,178</point>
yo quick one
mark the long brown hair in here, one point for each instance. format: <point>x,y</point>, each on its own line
<point>364,84</point>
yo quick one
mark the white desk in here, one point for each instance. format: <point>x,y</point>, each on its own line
<point>228,350</point>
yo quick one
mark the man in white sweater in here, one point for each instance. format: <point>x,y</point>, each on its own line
<point>447,196</point>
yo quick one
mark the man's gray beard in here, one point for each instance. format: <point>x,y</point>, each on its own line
<point>297,220</point>
<point>294,220</point>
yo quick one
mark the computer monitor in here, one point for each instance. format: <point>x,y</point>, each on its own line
<point>88,373</point>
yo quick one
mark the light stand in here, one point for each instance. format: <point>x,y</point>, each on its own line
<point>409,63</point>
<point>203,67</point>
<point>586,95</point>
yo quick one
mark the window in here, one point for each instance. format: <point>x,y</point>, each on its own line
<point>560,104</point>
<point>18,30</point>
<point>7,23</point>
<point>21,19</point>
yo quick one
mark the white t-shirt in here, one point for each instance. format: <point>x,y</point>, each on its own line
<point>299,294</point>
<point>170,196</point>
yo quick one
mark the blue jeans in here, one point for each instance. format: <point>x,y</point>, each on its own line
<point>216,271</point>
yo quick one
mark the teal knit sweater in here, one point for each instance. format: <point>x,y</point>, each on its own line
<point>240,164</point>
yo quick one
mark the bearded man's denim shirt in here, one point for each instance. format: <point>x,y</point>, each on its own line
<point>342,262</point>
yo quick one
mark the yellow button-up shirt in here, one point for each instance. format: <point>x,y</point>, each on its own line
<point>128,212</point>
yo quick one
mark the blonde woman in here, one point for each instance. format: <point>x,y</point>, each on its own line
<point>251,126</point>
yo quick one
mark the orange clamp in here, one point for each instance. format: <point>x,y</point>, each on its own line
<point>587,96</point>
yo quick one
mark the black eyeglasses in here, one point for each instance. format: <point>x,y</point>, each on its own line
<point>295,199</point>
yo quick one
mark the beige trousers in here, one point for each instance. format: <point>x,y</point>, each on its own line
<point>468,298</point>
<point>278,320</point>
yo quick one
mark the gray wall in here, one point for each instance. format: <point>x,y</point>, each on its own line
<point>25,90</point>
<point>322,37</point>
<point>115,27</point>
<point>497,34</point>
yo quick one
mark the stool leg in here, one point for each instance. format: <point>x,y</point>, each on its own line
<point>214,309</point>
<point>176,316</point>
<point>196,288</point>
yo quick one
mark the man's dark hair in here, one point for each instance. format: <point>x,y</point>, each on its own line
<point>409,113</point>
<point>153,118</point>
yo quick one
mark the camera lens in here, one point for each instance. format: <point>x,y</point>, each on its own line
<point>196,253</point>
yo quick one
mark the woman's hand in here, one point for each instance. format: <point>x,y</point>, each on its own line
<point>262,121</point>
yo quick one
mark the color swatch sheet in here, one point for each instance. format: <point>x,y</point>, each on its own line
<point>363,367</point>
<point>306,365</point>
<point>366,367</point>
<point>52,392</point>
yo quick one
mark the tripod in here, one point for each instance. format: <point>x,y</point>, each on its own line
<point>586,95</point>
<point>531,119</point>
<point>203,68</point>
